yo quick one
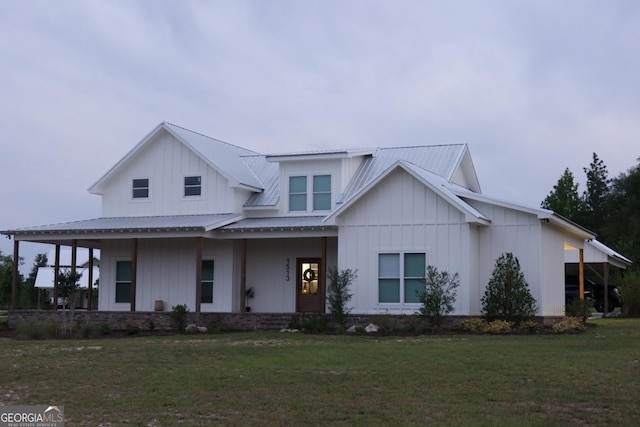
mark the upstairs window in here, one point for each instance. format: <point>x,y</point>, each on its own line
<point>140,188</point>
<point>314,192</point>
<point>322,192</point>
<point>192,186</point>
<point>298,193</point>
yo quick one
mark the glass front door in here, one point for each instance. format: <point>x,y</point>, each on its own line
<point>310,286</point>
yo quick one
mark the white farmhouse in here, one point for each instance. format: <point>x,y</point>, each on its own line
<point>188,219</point>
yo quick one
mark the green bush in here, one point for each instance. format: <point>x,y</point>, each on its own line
<point>569,324</point>
<point>499,327</point>
<point>529,325</point>
<point>579,308</point>
<point>178,316</point>
<point>439,294</point>
<point>507,295</point>
<point>630,293</point>
<point>338,295</point>
<point>39,330</point>
<point>314,324</point>
<point>475,324</point>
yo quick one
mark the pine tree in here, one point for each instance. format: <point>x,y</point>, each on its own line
<point>596,195</point>
<point>507,296</point>
<point>565,199</point>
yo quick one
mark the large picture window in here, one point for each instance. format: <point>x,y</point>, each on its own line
<point>123,281</point>
<point>206,286</point>
<point>140,188</point>
<point>401,277</point>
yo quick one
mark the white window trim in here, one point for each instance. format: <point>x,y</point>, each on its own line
<point>140,199</point>
<point>184,186</point>
<point>401,254</point>
<point>309,193</point>
<point>115,281</point>
<point>213,284</point>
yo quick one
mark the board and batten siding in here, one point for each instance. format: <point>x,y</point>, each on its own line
<point>166,161</point>
<point>401,214</point>
<point>271,270</point>
<point>167,272</point>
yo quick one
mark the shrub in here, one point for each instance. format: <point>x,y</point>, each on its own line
<point>338,295</point>
<point>475,324</point>
<point>507,296</point>
<point>439,294</point>
<point>569,324</point>
<point>133,330</point>
<point>314,324</point>
<point>630,293</point>
<point>178,316</point>
<point>579,308</point>
<point>87,330</point>
<point>386,322</point>
<point>498,327</point>
<point>529,325</point>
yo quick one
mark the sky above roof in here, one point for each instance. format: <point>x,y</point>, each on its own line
<point>531,87</point>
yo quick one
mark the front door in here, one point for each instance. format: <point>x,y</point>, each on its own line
<point>310,286</point>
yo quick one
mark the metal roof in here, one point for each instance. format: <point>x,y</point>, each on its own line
<point>280,223</point>
<point>269,174</point>
<point>126,224</point>
<point>440,160</point>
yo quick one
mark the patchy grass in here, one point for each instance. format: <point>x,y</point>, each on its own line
<point>295,379</point>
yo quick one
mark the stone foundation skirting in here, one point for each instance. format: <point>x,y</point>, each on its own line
<point>151,320</point>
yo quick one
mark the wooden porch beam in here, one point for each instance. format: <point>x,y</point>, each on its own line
<point>56,276</point>
<point>581,274</point>
<point>90,279</point>
<point>14,278</point>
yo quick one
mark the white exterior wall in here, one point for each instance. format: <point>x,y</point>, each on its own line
<point>401,214</point>
<point>165,161</point>
<point>271,270</point>
<point>167,271</point>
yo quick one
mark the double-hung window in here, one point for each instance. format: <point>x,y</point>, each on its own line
<point>206,285</point>
<point>124,278</point>
<point>140,188</point>
<point>314,192</point>
<point>192,186</point>
<point>401,277</point>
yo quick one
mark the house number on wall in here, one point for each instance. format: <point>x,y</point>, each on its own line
<point>287,268</point>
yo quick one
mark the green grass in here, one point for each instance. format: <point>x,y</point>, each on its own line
<point>294,379</point>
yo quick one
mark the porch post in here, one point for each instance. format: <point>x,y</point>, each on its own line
<point>243,274</point>
<point>14,278</point>
<point>323,271</point>
<point>56,274</point>
<point>90,279</point>
<point>581,274</point>
<point>74,261</point>
<point>198,272</point>
<point>134,271</point>
<point>606,288</point>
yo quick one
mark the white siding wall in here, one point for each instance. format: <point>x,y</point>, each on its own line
<point>165,162</point>
<point>511,231</point>
<point>167,271</point>
<point>271,270</point>
<point>400,214</point>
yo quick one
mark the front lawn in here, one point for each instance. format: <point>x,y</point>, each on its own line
<point>296,379</point>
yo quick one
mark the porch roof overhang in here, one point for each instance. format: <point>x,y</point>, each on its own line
<point>89,232</point>
<point>302,226</point>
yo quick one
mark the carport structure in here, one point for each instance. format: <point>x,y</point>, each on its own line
<point>597,260</point>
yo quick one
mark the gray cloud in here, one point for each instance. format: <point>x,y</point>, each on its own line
<point>532,87</point>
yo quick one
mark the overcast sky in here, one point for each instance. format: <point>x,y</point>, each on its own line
<point>533,87</point>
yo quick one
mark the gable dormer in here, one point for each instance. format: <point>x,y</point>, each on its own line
<point>174,171</point>
<point>312,183</point>
<point>464,173</point>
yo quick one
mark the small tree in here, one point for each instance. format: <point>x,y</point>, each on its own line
<point>439,294</point>
<point>630,293</point>
<point>68,286</point>
<point>338,294</point>
<point>507,296</point>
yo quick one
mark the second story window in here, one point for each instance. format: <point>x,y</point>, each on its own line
<point>298,193</point>
<point>310,193</point>
<point>140,188</point>
<point>192,186</point>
